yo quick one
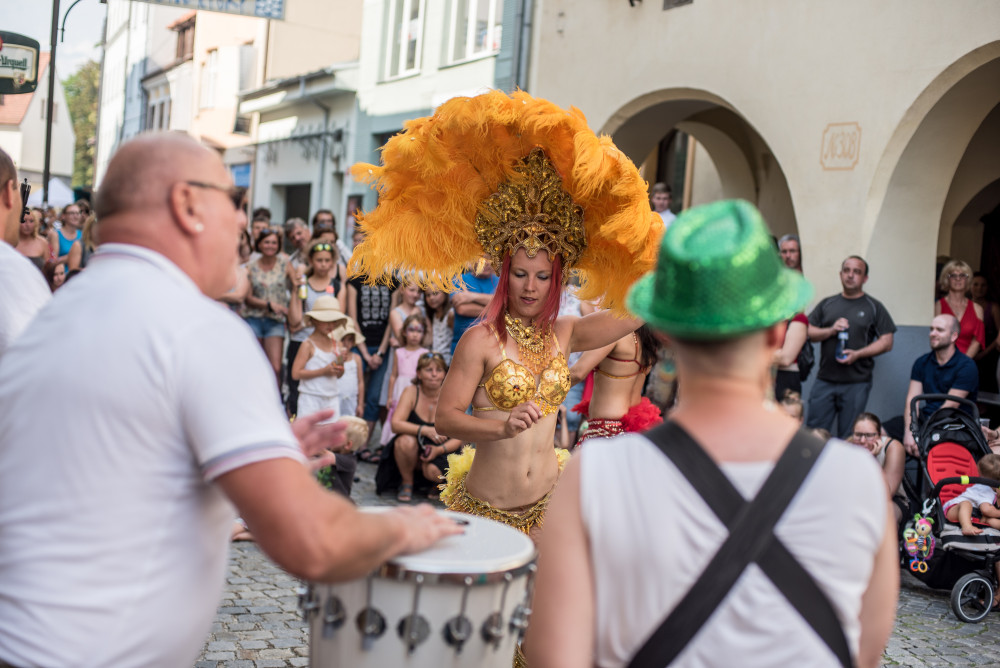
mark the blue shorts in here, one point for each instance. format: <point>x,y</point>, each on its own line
<point>265,328</point>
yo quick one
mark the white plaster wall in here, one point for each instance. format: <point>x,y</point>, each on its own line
<point>291,167</point>
<point>790,69</point>
<point>33,132</point>
<point>430,87</point>
<point>705,183</point>
<point>12,142</point>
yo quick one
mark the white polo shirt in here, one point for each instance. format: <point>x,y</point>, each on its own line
<point>23,292</point>
<point>119,405</point>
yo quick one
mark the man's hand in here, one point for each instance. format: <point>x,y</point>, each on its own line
<point>841,325</point>
<point>849,357</point>
<point>424,526</point>
<point>314,438</point>
<point>910,444</point>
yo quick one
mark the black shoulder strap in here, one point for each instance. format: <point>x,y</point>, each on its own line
<point>751,539</point>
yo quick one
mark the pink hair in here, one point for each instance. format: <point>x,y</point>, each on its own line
<point>494,311</point>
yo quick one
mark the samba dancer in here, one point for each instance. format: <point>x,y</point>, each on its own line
<point>612,400</point>
<point>530,185</point>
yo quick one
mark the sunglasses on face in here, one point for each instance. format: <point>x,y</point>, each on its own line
<point>235,193</point>
<point>954,276</point>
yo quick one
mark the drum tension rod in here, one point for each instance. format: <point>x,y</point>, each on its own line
<point>458,629</point>
<point>371,622</point>
<point>493,626</point>
<point>413,628</point>
<point>308,602</point>
<point>522,613</point>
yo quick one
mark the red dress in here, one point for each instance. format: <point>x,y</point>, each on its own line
<point>969,327</point>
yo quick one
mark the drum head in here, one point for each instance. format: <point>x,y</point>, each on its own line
<point>487,547</point>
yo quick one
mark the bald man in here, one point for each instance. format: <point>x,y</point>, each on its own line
<point>115,517</point>
<point>23,291</point>
<point>944,370</point>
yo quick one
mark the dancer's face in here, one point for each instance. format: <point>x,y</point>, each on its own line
<point>529,283</point>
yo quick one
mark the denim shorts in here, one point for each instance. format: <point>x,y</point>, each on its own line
<point>264,328</point>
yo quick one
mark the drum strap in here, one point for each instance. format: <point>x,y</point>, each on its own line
<point>751,540</point>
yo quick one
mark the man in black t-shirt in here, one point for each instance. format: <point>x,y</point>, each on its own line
<point>369,306</point>
<point>853,328</point>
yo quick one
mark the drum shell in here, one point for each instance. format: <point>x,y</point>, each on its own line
<point>438,603</point>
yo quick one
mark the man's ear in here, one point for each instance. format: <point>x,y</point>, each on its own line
<point>10,195</point>
<point>184,208</point>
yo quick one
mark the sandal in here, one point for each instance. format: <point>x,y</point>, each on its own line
<point>369,457</point>
<point>433,495</point>
<point>405,493</point>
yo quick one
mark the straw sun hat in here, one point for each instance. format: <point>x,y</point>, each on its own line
<point>326,309</point>
<point>718,275</point>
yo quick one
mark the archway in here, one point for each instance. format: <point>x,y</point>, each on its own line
<point>940,158</point>
<point>742,163</point>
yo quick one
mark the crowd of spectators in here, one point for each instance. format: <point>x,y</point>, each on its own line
<point>285,269</point>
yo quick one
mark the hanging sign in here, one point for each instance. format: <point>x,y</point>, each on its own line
<point>264,9</point>
<point>18,64</point>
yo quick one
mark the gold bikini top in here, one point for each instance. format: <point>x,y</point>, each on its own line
<point>510,384</point>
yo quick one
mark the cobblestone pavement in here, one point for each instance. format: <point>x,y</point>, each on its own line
<point>258,624</point>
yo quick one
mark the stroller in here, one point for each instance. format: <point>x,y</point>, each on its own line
<point>938,553</point>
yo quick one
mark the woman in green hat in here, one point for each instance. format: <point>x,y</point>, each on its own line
<point>652,549</point>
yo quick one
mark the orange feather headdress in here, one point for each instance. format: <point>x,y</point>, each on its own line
<point>489,174</point>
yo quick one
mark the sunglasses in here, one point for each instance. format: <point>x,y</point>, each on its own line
<point>958,275</point>
<point>431,356</point>
<point>236,193</point>
<point>322,247</point>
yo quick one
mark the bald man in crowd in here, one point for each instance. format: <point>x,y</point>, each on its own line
<point>115,518</point>
<point>944,370</point>
<point>23,290</point>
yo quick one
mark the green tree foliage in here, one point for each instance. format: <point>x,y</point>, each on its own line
<point>81,91</point>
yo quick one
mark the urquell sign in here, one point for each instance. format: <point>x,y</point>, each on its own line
<point>18,63</point>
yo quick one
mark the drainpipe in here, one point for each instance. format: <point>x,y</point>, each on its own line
<point>322,150</point>
<point>524,45</point>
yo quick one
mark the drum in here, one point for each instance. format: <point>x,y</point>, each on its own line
<point>463,602</point>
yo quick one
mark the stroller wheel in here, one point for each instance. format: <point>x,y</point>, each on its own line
<point>972,597</point>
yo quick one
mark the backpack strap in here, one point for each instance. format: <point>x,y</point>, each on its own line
<point>751,540</point>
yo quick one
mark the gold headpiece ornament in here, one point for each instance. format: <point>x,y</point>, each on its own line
<point>486,175</point>
<point>532,212</point>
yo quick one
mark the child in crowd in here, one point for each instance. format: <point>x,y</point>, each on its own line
<point>977,500</point>
<point>316,366</point>
<point>404,368</point>
<point>791,403</point>
<point>441,318</point>
<point>352,383</point>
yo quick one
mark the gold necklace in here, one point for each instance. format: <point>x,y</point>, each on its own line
<point>532,343</point>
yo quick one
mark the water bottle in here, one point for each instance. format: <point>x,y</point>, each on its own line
<point>842,345</point>
<point>303,291</point>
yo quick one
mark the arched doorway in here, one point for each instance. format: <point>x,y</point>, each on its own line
<point>936,173</point>
<point>741,164</point>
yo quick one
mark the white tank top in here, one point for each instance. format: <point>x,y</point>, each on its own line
<point>651,535</point>
<point>441,336</point>
<point>347,385</point>
<point>323,386</point>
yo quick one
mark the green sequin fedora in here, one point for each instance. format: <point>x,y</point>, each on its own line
<point>718,276</point>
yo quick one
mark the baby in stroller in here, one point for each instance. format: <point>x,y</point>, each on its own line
<point>977,500</point>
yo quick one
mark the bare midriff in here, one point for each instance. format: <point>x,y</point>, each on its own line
<point>513,472</point>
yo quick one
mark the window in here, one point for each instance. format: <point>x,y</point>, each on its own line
<point>185,41</point>
<point>404,37</point>
<point>475,28</point>
<point>209,70</point>
<point>248,66</point>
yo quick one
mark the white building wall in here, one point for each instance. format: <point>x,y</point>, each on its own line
<point>33,133</point>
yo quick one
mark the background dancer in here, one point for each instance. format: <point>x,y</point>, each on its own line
<point>612,399</point>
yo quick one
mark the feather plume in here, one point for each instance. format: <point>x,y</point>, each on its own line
<point>437,173</point>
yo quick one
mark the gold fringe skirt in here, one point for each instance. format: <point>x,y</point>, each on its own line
<point>457,498</point>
